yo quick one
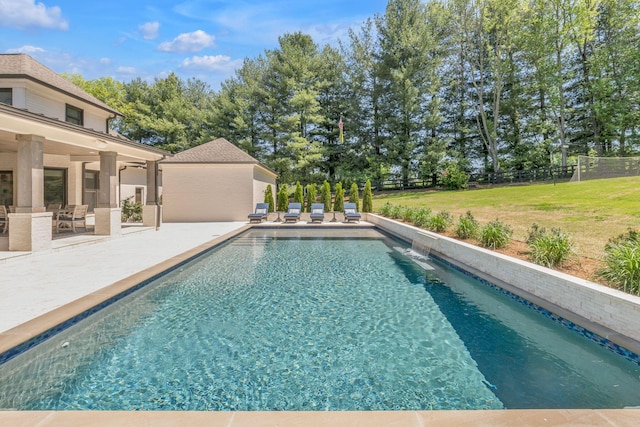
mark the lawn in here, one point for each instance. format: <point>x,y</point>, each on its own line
<point>591,212</point>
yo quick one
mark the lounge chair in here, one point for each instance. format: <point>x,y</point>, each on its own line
<point>260,214</point>
<point>350,213</point>
<point>317,212</point>
<point>293,214</point>
<point>72,217</point>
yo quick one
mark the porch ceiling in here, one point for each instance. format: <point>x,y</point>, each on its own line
<point>62,138</point>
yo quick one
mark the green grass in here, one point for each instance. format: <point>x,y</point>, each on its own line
<point>590,212</point>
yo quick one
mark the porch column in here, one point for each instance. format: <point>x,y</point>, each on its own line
<point>30,227</point>
<point>108,214</point>
<point>152,211</point>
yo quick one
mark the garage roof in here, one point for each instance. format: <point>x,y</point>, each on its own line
<point>217,151</point>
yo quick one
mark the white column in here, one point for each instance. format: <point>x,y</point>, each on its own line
<point>108,215</point>
<point>152,211</point>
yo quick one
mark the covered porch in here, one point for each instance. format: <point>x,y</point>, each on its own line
<point>46,162</point>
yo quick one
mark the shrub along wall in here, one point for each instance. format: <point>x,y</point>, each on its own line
<point>608,312</point>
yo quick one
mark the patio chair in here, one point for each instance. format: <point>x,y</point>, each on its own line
<point>4,218</point>
<point>72,217</point>
<point>350,213</point>
<point>260,214</point>
<point>293,214</point>
<point>317,212</point>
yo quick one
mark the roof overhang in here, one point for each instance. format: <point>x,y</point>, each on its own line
<point>62,138</point>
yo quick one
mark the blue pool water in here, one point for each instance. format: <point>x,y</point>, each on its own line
<point>277,320</point>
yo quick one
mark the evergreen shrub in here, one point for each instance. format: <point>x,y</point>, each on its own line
<point>283,198</point>
<point>354,196</point>
<point>325,196</point>
<point>338,203</point>
<point>312,192</point>
<point>367,198</point>
<point>268,198</point>
<point>298,194</point>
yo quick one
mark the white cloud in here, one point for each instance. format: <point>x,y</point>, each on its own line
<point>105,61</point>
<point>126,70</point>
<point>211,63</point>
<point>26,49</point>
<point>149,30</point>
<point>24,14</point>
<point>188,42</point>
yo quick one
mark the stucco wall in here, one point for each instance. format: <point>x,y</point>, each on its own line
<point>261,179</point>
<point>203,192</point>
<point>613,309</point>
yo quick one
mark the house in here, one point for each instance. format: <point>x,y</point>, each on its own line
<point>215,181</point>
<point>56,147</point>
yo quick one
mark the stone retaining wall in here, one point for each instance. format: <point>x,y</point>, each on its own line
<point>616,311</point>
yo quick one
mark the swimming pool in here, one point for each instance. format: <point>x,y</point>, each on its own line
<point>279,320</point>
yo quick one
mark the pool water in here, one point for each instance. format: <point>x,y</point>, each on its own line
<point>279,320</point>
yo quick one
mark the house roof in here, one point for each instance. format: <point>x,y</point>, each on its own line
<point>21,65</point>
<point>217,151</point>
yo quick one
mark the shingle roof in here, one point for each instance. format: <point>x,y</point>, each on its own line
<point>21,65</point>
<point>217,151</point>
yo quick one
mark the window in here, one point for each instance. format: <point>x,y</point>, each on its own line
<point>74,115</point>
<point>6,96</point>
<point>6,188</point>
<point>91,187</point>
<point>55,186</point>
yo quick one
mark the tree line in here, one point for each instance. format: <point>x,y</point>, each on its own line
<point>473,84</point>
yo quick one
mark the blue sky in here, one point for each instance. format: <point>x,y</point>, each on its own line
<point>205,39</point>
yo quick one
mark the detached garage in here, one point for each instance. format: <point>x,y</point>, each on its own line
<point>215,181</point>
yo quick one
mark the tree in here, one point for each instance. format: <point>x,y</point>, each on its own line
<point>408,62</point>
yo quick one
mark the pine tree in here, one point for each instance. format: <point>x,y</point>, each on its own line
<point>367,198</point>
<point>268,198</point>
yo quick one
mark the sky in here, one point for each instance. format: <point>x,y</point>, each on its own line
<point>203,39</point>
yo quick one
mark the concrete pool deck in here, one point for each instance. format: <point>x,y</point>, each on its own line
<point>38,290</point>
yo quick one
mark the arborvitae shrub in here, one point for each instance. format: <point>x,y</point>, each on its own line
<point>311,195</point>
<point>298,195</point>
<point>283,198</point>
<point>354,196</point>
<point>325,196</point>
<point>338,203</point>
<point>367,198</point>
<point>268,198</point>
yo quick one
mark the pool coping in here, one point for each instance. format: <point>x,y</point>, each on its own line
<point>41,324</point>
<point>496,418</point>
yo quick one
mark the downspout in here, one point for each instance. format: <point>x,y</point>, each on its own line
<point>158,215</point>
<point>120,185</point>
